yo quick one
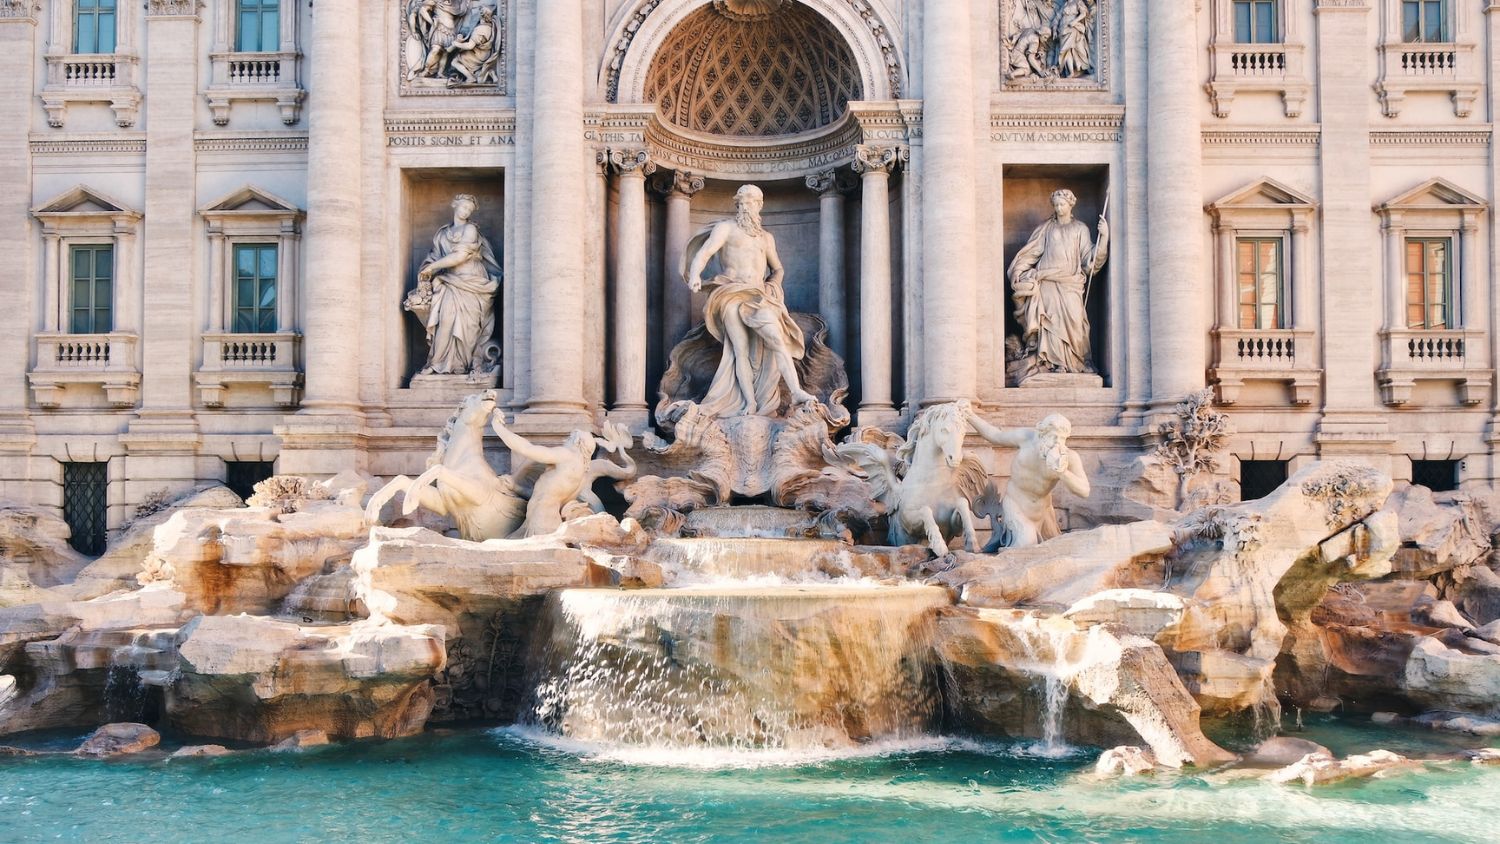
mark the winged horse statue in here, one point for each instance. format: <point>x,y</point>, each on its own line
<point>925,481</point>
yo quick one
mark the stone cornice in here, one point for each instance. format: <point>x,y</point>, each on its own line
<point>269,142</point>
<point>1086,125</point>
<point>89,143</point>
<point>469,121</point>
<point>1262,136</point>
<point>1435,137</point>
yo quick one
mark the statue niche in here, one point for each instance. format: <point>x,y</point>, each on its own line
<point>455,298</point>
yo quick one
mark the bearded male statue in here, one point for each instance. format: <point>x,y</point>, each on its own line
<point>747,313</point>
<point>1042,462</point>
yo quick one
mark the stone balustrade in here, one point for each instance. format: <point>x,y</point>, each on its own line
<point>233,361</point>
<point>1426,67</point>
<point>1285,355</point>
<point>1455,355</point>
<point>107,361</point>
<point>270,76</point>
<point>1260,60</point>
<point>91,78</point>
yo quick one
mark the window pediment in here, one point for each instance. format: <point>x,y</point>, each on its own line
<point>249,201</point>
<point>81,201</point>
<point>1434,195</point>
<point>1264,194</point>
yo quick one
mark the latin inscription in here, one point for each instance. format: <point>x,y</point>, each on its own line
<point>463,140</point>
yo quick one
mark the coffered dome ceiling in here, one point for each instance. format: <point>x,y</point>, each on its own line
<point>728,72</point>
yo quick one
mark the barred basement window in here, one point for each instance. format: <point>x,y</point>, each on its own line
<point>241,476</point>
<point>86,505</point>
<point>1436,475</point>
<point>1260,478</point>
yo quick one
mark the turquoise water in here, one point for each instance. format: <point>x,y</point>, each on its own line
<point>497,785</point>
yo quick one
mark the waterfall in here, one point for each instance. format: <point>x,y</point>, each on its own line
<point>738,668</point>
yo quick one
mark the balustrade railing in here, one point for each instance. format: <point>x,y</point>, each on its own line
<point>1261,61</point>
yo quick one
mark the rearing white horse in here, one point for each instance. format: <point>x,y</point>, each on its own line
<point>926,483</point>
<point>459,481</point>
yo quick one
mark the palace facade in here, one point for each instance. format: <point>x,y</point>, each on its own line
<point>212,212</point>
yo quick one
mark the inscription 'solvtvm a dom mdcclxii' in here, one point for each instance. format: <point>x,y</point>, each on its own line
<point>254,236</point>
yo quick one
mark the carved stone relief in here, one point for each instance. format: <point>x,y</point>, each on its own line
<point>452,46</point>
<point>1054,43</point>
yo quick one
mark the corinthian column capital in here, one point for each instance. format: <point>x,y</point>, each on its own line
<point>678,183</point>
<point>627,161</point>
<point>883,158</point>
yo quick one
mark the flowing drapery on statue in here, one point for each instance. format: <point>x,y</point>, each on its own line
<point>455,297</point>
<point>747,313</point>
<point>1049,279</point>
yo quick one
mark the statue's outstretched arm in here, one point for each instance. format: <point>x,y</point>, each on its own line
<point>1013,438</point>
<point>520,445</point>
<point>606,468</point>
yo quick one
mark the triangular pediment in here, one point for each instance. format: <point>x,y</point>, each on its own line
<point>82,200</point>
<point>251,200</point>
<point>1264,193</point>
<point>1435,194</point>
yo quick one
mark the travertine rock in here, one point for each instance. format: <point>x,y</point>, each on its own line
<point>194,751</point>
<point>1438,533</point>
<point>1476,592</point>
<point>1065,570</point>
<point>1322,768</point>
<point>250,559</point>
<point>1441,677</point>
<point>34,552</point>
<point>119,740</point>
<point>301,740</point>
<point>1281,751</point>
<point>1125,761</point>
<point>1440,614</point>
<point>127,553</point>
<point>256,679</point>
<point>1120,688</point>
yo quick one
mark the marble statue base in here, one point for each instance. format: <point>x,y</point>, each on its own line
<point>1065,380</point>
<point>453,389</point>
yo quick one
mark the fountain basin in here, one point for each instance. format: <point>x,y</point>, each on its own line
<point>739,667</point>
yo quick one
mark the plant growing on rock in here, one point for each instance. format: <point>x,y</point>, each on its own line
<point>1191,441</point>
<point>286,493</point>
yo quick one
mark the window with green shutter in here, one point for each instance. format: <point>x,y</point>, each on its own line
<point>1429,282</point>
<point>1255,22</point>
<point>91,274</point>
<point>1425,21</point>
<point>257,26</point>
<point>94,26</point>
<point>254,288</point>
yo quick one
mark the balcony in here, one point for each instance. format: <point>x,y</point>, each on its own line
<point>1277,355</point>
<point>1427,67</point>
<point>107,361</point>
<point>267,77</point>
<point>1275,68</point>
<point>91,78</point>
<point>238,361</point>
<point>1454,355</point>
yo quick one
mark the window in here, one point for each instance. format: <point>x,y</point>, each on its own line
<point>257,26</point>
<point>86,505</point>
<point>1436,475</point>
<point>1425,21</point>
<point>241,476</point>
<point>1429,282</point>
<point>254,288</point>
<point>1255,22</point>
<point>1260,478</point>
<point>1260,279</point>
<point>94,26</point>
<point>92,275</point>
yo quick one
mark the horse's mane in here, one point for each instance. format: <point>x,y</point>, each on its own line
<point>445,436</point>
<point>921,427</point>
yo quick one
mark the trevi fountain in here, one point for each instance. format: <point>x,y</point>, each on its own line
<point>778,603</point>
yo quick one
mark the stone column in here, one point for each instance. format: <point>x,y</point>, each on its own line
<point>1228,298</point>
<point>1352,425</point>
<point>874,164</point>
<point>1395,261</point>
<point>949,327</point>
<point>556,400</point>
<point>1174,203</point>
<point>162,441</point>
<point>326,436</point>
<point>1302,286</point>
<point>630,407</point>
<point>333,214</point>
<point>677,299</point>
<point>831,306</point>
<point>18,232</point>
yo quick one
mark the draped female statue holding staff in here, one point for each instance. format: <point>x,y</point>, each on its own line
<point>1049,279</point>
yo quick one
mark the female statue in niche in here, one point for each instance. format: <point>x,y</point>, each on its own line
<point>1049,279</point>
<point>455,296</point>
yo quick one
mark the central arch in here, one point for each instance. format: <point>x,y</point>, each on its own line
<point>641,32</point>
